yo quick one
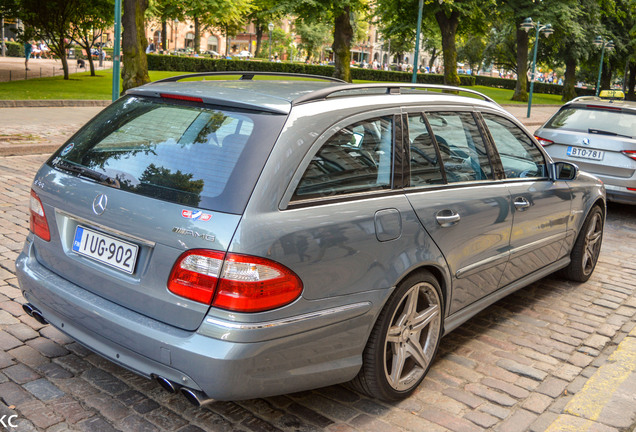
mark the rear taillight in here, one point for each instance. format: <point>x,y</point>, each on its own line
<point>240,283</point>
<point>544,142</point>
<point>630,154</point>
<point>37,221</point>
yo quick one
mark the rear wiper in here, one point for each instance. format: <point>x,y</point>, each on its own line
<point>85,172</point>
<point>602,132</point>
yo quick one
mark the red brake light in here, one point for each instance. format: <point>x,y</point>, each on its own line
<point>240,283</point>
<point>603,107</point>
<point>195,275</point>
<point>181,97</point>
<point>630,154</point>
<point>544,142</point>
<point>37,220</point>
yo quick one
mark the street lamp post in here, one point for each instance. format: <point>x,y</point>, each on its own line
<point>116,51</point>
<point>270,26</point>
<point>546,30</point>
<point>604,44</point>
<point>417,40</point>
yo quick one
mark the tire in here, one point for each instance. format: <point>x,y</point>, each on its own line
<point>587,248</point>
<point>403,341</point>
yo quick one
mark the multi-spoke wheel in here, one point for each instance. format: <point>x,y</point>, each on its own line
<point>587,248</point>
<point>404,340</point>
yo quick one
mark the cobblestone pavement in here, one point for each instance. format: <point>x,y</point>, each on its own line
<point>514,367</point>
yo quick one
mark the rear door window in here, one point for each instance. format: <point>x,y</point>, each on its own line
<point>461,146</point>
<point>425,163</point>
<point>199,156</point>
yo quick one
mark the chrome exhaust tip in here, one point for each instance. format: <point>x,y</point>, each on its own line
<point>166,384</point>
<point>195,397</point>
<point>38,317</point>
<point>28,308</point>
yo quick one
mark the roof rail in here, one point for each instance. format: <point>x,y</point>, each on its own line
<point>248,76</point>
<point>391,88</point>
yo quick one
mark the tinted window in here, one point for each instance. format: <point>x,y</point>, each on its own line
<point>595,119</point>
<point>461,146</point>
<point>425,166</point>
<point>193,155</point>
<point>357,158</point>
<point>519,156</point>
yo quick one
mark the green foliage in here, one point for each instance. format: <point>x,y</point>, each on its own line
<point>15,49</point>
<point>192,64</point>
<point>544,88</point>
<point>313,37</point>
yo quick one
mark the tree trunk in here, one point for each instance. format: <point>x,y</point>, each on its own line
<point>197,35</point>
<point>448,27</point>
<point>61,44</point>
<point>606,75</point>
<point>164,35</point>
<point>521,89</point>
<point>259,38</point>
<point>135,63</point>
<point>91,63</point>
<point>632,82</point>
<point>569,85</point>
<point>342,36</point>
<point>431,62</point>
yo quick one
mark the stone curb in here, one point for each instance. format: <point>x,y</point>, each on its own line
<point>52,103</point>
<point>597,401</point>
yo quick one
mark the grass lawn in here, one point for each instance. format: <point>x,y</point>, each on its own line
<point>84,86</point>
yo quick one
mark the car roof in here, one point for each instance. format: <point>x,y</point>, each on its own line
<point>586,101</point>
<point>278,96</point>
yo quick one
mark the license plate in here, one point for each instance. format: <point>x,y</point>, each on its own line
<point>585,153</point>
<point>105,249</point>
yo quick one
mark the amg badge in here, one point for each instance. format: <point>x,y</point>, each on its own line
<point>189,232</point>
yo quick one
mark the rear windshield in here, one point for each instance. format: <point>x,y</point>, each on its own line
<point>590,119</point>
<point>199,156</point>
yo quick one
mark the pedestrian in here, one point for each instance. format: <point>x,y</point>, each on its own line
<point>28,48</point>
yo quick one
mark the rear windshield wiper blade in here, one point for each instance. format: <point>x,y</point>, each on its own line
<point>85,172</point>
<point>603,132</point>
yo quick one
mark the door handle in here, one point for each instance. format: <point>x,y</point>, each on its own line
<point>447,218</point>
<point>521,203</point>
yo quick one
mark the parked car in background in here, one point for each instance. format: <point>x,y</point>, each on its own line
<point>599,136</point>
<point>247,238</point>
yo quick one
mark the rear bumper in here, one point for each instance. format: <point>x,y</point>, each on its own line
<point>620,194</point>
<point>325,349</point>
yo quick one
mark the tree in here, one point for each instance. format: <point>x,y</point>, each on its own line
<point>262,13</point>
<point>471,50</point>
<point>223,14</point>
<point>339,13</point>
<point>97,16</point>
<point>313,37</point>
<point>7,8</point>
<point>135,69</point>
<point>451,16</point>
<point>51,21</point>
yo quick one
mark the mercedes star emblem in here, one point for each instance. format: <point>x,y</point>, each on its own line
<point>99,204</point>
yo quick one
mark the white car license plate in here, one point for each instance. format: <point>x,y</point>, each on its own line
<point>105,249</point>
<point>585,153</point>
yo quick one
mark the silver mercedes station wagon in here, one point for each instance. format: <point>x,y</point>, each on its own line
<point>245,238</point>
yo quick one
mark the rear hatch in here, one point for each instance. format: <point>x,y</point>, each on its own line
<point>144,181</point>
<point>599,138</point>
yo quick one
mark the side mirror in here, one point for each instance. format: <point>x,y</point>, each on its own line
<point>565,171</point>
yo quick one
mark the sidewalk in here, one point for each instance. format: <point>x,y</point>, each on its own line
<point>12,68</point>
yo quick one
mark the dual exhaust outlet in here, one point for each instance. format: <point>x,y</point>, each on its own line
<point>195,397</point>
<point>33,312</point>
